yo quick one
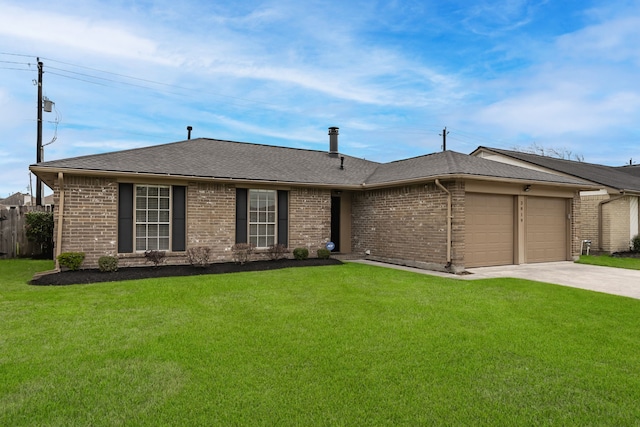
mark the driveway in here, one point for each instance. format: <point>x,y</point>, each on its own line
<point>616,281</point>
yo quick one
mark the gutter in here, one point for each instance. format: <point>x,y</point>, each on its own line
<point>335,186</point>
<point>449,220</point>
<point>60,219</point>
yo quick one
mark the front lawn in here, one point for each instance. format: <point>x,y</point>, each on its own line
<point>339,345</point>
<point>609,261</point>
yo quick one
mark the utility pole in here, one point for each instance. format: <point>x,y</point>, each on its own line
<point>39,135</point>
<point>444,138</point>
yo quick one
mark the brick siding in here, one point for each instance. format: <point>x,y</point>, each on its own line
<point>615,225</point>
<point>211,218</point>
<point>309,219</point>
<point>577,225</point>
<point>589,218</point>
<point>408,224</point>
<point>91,224</point>
<point>90,217</point>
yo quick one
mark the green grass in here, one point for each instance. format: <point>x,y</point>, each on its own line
<point>609,261</point>
<point>342,345</point>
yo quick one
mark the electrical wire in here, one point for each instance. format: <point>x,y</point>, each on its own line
<point>455,134</point>
<point>56,121</point>
<point>146,81</point>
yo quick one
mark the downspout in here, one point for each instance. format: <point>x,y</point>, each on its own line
<point>60,219</point>
<point>449,218</point>
<point>604,202</point>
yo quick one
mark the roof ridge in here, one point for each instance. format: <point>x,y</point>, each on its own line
<point>129,150</point>
<point>504,151</point>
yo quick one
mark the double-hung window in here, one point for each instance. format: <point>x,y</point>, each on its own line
<point>152,217</point>
<point>262,217</point>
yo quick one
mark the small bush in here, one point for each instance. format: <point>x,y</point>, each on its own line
<point>39,228</point>
<point>71,260</point>
<point>301,253</point>
<point>324,253</point>
<point>156,257</point>
<point>108,263</point>
<point>635,243</point>
<point>199,256</point>
<point>276,252</point>
<point>242,252</point>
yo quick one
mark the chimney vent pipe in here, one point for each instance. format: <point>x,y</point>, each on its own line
<point>333,141</point>
<point>189,129</point>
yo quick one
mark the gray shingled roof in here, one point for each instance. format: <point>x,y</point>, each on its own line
<point>630,169</point>
<point>605,175</point>
<point>453,163</point>
<point>211,158</point>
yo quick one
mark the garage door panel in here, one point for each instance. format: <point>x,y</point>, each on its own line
<point>546,229</point>
<point>489,230</point>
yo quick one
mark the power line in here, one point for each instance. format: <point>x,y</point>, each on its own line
<point>15,62</point>
<point>15,69</point>
<point>147,81</point>
<point>199,91</point>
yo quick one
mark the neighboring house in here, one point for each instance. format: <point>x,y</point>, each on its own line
<point>609,215</point>
<point>15,200</point>
<point>443,211</point>
<point>630,169</point>
<point>23,199</point>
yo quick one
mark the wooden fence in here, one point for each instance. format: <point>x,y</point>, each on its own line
<point>13,234</point>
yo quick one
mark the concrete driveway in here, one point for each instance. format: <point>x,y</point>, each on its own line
<point>616,281</point>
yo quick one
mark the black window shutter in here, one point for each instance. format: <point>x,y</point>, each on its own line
<point>283,217</point>
<point>125,218</point>
<point>178,220</point>
<point>241,215</point>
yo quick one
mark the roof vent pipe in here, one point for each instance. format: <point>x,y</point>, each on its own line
<point>333,141</point>
<point>189,129</point>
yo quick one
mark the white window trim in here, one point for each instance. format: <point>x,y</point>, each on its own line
<point>136,223</point>
<point>274,222</point>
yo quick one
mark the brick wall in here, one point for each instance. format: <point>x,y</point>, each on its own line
<point>309,218</point>
<point>211,218</point>
<point>90,217</point>
<point>589,218</point>
<point>90,220</point>
<point>615,225</point>
<point>577,225</point>
<point>408,225</point>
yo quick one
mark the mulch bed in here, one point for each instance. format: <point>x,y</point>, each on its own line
<point>629,254</point>
<point>133,273</point>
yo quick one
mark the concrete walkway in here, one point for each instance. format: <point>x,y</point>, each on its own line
<point>616,281</point>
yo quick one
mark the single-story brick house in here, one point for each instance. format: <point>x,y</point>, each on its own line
<point>443,211</point>
<point>609,214</point>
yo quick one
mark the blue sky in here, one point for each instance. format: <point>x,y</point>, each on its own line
<point>559,74</point>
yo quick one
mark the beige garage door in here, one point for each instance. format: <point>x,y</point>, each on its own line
<point>489,230</point>
<point>546,229</point>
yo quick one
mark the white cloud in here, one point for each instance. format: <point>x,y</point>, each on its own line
<point>576,90</point>
<point>92,35</point>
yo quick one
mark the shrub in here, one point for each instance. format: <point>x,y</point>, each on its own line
<point>156,257</point>
<point>39,229</point>
<point>108,263</point>
<point>199,256</point>
<point>277,251</point>
<point>301,253</point>
<point>71,260</point>
<point>324,253</point>
<point>635,243</point>
<point>242,252</point>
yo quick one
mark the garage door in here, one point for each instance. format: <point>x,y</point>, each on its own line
<point>488,230</point>
<point>546,229</point>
